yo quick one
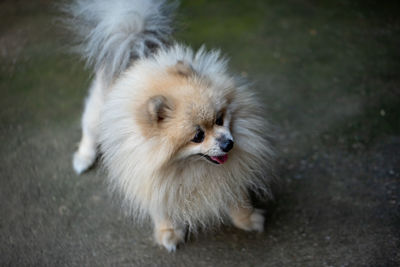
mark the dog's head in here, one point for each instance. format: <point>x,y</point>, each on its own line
<point>189,114</point>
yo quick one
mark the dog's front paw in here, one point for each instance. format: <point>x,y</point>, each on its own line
<point>170,238</point>
<point>82,162</point>
<point>249,221</point>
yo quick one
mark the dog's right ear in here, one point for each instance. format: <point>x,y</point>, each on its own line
<point>159,108</point>
<point>182,68</point>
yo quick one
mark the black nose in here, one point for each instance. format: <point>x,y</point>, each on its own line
<point>226,145</point>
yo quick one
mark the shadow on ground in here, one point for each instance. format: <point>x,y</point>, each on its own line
<point>328,73</point>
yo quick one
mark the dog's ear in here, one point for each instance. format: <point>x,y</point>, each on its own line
<point>159,108</point>
<point>182,68</point>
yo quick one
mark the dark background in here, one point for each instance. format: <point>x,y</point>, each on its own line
<point>329,75</point>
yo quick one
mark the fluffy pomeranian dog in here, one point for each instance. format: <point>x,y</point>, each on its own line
<point>182,139</point>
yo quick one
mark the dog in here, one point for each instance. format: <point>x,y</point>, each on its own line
<point>182,139</point>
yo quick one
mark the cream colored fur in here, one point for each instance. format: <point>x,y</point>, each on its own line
<point>152,176</point>
<point>147,149</point>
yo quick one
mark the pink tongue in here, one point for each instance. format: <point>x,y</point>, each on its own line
<point>220,159</point>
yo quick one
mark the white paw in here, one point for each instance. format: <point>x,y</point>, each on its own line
<point>257,220</point>
<point>250,221</point>
<point>170,238</point>
<point>82,162</point>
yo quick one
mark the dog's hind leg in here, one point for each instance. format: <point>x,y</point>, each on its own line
<point>246,217</point>
<point>86,154</point>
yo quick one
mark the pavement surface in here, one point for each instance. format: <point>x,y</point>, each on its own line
<point>328,73</point>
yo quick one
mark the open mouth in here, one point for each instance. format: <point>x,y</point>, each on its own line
<point>216,159</point>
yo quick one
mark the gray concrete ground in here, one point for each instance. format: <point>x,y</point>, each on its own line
<point>328,73</point>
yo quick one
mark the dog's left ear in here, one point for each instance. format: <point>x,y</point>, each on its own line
<point>158,108</point>
<point>182,68</point>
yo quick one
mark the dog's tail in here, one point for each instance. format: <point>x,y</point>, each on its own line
<point>110,34</point>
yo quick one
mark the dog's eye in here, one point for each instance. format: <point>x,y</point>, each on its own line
<point>199,137</point>
<point>220,120</point>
